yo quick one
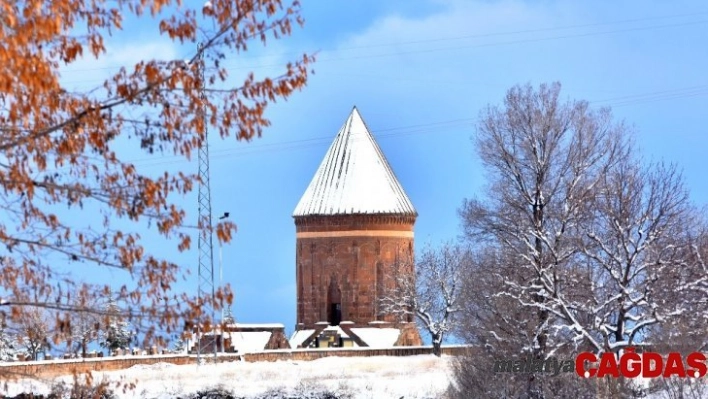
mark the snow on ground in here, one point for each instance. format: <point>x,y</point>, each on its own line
<point>249,341</point>
<point>381,377</point>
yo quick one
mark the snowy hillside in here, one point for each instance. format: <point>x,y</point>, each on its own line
<point>422,376</point>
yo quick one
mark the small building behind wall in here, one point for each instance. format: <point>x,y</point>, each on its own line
<point>241,338</point>
<point>378,335</point>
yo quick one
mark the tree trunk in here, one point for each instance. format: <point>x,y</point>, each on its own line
<point>437,350</point>
<point>437,345</point>
<point>534,389</point>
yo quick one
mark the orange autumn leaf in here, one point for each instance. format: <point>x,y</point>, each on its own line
<point>71,197</point>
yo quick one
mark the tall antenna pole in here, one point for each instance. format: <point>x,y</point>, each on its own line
<point>206,246</point>
<point>221,284</point>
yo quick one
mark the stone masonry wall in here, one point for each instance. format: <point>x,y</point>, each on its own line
<point>348,260</point>
<point>54,368</point>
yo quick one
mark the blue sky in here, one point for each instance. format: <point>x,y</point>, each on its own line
<point>420,72</point>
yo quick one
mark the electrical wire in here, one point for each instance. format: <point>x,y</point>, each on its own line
<point>460,37</point>
<point>452,124</point>
<point>409,130</point>
<point>448,48</point>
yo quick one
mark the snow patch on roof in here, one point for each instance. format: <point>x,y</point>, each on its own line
<point>246,342</point>
<point>354,178</point>
<point>258,325</point>
<point>338,330</point>
<point>299,337</point>
<point>378,337</point>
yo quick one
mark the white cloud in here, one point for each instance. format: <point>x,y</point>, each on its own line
<point>449,65</point>
<point>474,49</point>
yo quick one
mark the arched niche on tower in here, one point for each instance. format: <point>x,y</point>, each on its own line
<point>334,302</point>
<point>379,290</point>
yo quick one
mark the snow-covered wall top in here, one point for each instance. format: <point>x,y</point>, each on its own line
<point>354,178</point>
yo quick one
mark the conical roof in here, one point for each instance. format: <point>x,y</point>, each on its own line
<point>354,178</point>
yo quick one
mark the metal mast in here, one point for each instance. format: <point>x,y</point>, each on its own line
<point>205,247</point>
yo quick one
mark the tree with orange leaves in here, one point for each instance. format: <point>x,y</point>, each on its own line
<point>58,148</point>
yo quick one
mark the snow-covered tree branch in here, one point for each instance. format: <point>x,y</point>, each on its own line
<point>634,240</point>
<point>8,344</point>
<point>117,333</point>
<point>544,160</point>
<point>35,333</point>
<point>432,293</point>
<point>85,322</point>
<point>591,248</point>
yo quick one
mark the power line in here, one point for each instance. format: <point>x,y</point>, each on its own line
<point>437,127</point>
<point>409,130</point>
<point>401,131</point>
<point>311,142</point>
<point>522,41</point>
<point>509,33</point>
<point>481,45</point>
<point>467,36</point>
<point>663,98</point>
<point>656,96</point>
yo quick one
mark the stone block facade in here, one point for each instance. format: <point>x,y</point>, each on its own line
<point>345,263</point>
<point>278,340</point>
<point>354,233</point>
<point>57,368</point>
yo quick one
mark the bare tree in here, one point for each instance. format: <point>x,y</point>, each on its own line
<point>499,329</point>
<point>690,287</point>
<point>544,159</point>
<point>85,322</point>
<point>431,294</point>
<point>117,332</point>
<point>680,388</point>
<point>688,330</point>
<point>633,245</point>
<point>8,343</point>
<point>588,239</point>
<point>35,333</point>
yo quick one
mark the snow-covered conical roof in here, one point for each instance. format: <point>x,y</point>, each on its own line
<point>354,178</point>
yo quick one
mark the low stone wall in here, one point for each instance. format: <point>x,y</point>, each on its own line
<point>313,354</point>
<point>55,368</point>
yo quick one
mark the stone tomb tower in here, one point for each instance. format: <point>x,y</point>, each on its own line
<point>354,224</point>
